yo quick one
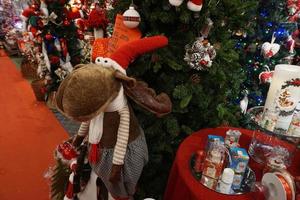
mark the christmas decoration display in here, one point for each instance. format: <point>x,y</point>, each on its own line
<point>99,115</point>
<point>200,54</point>
<point>11,38</point>
<point>131,17</point>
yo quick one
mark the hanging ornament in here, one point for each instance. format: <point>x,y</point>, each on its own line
<point>48,36</point>
<point>80,34</point>
<point>175,2</point>
<point>54,60</point>
<point>195,5</point>
<point>64,48</point>
<point>57,45</point>
<point>266,76</point>
<point>206,28</point>
<point>66,22</point>
<point>290,44</point>
<point>131,17</point>
<point>268,49</point>
<point>200,54</point>
<point>195,78</point>
<point>244,102</point>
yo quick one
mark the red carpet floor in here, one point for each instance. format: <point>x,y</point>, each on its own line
<point>29,133</point>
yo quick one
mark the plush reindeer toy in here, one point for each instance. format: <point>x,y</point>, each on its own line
<point>94,94</point>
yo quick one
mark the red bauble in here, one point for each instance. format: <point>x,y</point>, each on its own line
<point>67,151</point>
<point>66,23</point>
<point>48,36</point>
<point>54,60</point>
<point>81,36</point>
<point>40,24</point>
<point>97,19</point>
<point>33,30</point>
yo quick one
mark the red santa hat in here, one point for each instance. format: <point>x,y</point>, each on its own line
<point>195,5</point>
<point>128,52</point>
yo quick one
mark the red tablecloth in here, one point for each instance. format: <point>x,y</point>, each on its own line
<point>183,186</point>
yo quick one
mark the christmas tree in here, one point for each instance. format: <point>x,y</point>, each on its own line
<point>272,43</point>
<point>203,78</point>
<point>61,47</point>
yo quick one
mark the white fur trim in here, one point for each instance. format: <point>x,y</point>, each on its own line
<point>175,2</point>
<point>71,177</point>
<point>73,162</point>
<point>66,198</point>
<point>194,7</point>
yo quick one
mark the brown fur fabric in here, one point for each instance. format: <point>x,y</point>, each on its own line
<point>85,92</point>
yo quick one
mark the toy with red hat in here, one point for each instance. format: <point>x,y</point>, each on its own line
<point>94,94</point>
<point>193,5</point>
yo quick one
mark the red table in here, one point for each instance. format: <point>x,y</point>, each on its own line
<point>183,186</point>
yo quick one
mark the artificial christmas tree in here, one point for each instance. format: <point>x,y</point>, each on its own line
<point>200,98</point>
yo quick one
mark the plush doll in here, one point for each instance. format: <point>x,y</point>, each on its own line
<point>98,21</point>
<point>94,94</point>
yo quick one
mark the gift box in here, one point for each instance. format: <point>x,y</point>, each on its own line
<point>214,139</point>
<point>239,159</point>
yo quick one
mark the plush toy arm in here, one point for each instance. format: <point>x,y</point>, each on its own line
<point>81,134</point>
<point>122,139</point>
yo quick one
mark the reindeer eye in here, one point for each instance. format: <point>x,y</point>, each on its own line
<point>98,61</point>
<point>106,61</point>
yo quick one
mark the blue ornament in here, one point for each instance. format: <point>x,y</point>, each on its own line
<point>259,100</point>
<point>264,13</point>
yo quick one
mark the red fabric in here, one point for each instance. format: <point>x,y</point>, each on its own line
<point>182,184</point>
<point>197,2</point>
<point>69,193</point>
<point>97,19</point>
<point>93,155</point>
<point>128,52</point>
